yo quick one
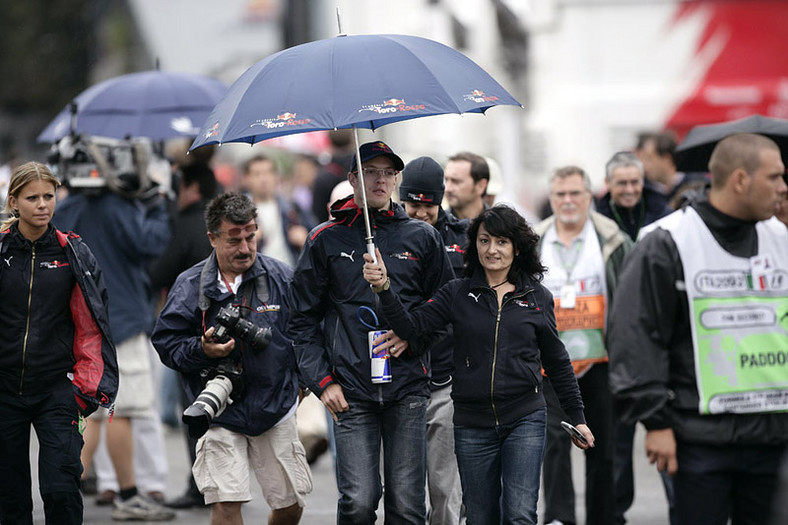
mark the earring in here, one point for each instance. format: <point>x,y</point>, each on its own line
<point>16,213</point>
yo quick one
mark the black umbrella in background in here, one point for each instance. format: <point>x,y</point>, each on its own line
<point>694,152</point>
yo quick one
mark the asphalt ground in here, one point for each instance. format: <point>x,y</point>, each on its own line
<point>649,507</point>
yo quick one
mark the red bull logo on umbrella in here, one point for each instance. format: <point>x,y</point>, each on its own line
<point>392,105</point>
<point>213,131</point>
<point>286,119</point>
<point>478,96</point>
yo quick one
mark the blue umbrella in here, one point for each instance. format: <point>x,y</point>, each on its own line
<point>362,81</point>
<point>153,104</point>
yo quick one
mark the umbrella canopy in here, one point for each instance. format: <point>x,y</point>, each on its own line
<point>362,81</point>
<point>694,152</point>
<point>153,104</point>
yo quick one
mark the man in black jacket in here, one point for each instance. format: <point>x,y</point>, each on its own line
<point>188,244</point>
<point>421,191</point>
<point>696,338</point>
<point>333,311</point>
<point>466,176</point>
<point>633,205</point>
<point>628,201</point>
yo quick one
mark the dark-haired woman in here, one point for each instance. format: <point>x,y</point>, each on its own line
<point>504,334</point>
<point>56,359</point>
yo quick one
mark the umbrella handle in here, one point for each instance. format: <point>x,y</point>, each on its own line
<point>371,250</point>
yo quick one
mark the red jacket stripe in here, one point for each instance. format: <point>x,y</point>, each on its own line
<point>89,366</point>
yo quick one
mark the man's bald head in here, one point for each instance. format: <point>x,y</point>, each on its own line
<point>740,151</point>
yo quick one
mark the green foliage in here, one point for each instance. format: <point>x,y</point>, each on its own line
<point>47,48</point>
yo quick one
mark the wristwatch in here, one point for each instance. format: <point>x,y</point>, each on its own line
<point>386,286</point>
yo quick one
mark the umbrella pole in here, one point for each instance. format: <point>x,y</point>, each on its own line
<point>365,207</point>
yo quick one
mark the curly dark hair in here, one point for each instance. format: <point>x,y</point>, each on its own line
<point>233,206</point>
<point>504,221</point>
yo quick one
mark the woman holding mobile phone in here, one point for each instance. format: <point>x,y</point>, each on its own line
<point>504,334</point>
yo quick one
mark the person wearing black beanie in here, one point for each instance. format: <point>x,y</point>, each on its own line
<point>421,191</point>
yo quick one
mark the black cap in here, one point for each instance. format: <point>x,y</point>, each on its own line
<point>370,150</point>
<point>422,181</point>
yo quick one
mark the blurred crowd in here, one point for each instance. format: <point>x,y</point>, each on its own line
<point>279,236</point>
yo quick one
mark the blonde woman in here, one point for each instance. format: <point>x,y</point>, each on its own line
<point>57,362</point>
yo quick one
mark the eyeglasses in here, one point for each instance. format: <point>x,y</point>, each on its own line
<point>375,172</point>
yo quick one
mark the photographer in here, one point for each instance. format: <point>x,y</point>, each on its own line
<point>258,427</point>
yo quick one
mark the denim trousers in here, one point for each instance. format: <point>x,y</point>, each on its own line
<point>500,468</point>
<point>401,427</point>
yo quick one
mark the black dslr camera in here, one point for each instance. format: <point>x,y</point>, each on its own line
<point>224,382</point>
<point>232,325</point>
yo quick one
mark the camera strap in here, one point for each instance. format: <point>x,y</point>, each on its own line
<point>260,289</point>
<point>202,301</point>
<point>260,286</point>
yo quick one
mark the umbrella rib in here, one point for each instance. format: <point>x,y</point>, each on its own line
<point>429,71</point>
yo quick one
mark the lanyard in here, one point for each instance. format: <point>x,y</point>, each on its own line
<point>366,309</point>
<point>620,221</point>
<point>577,246</point>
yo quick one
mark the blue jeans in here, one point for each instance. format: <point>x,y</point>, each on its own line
<point>358,432</point>
<point>500,469</point>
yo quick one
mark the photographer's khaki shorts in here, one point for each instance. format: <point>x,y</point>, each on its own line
<point>277,458</point>
<point>135,380</point>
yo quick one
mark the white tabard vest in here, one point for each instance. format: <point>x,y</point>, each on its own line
<point>582,327</point>
<point>738,315</point>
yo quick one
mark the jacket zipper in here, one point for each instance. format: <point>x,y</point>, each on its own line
<point>495,349</point>
<point>495,358</point>
<point>27,323</point>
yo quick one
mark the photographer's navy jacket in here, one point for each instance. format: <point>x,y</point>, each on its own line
<point>268,374</point>
<point>82,345</point>
<point>329,291</point>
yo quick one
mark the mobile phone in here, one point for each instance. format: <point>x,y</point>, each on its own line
<point>572,431</point>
